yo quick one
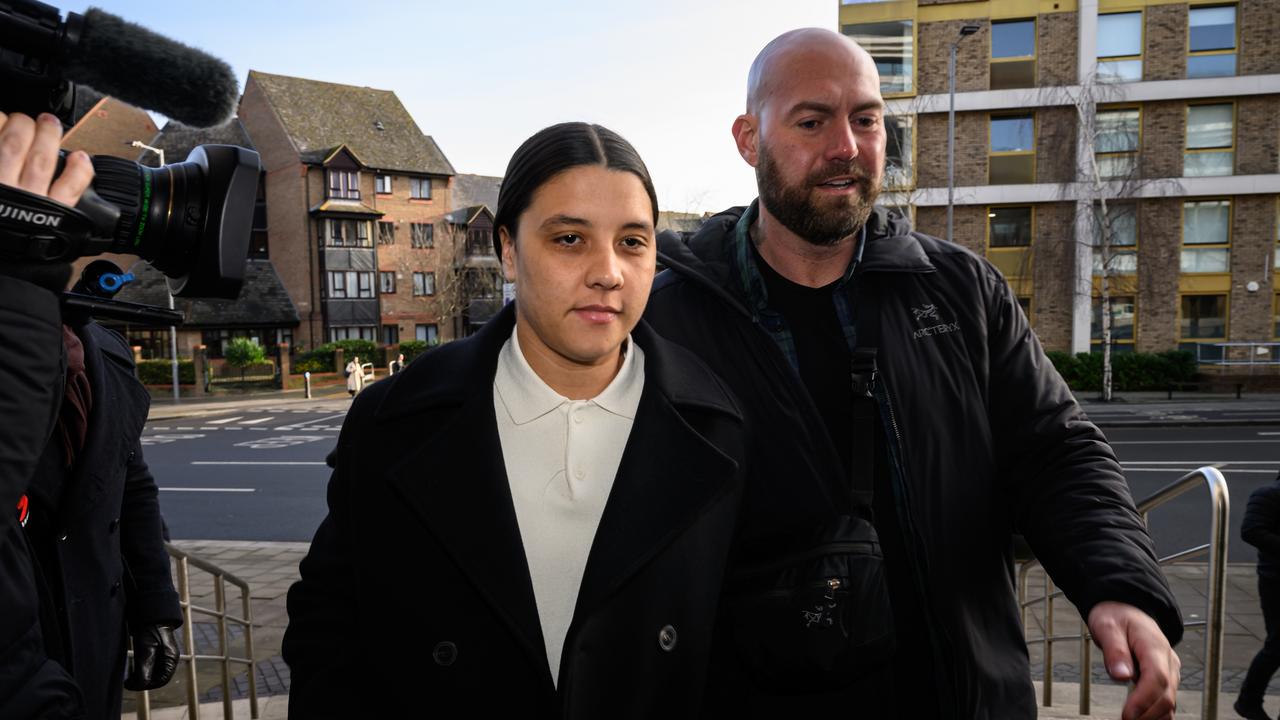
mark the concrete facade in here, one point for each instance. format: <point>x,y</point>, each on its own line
<point>1061,191</point>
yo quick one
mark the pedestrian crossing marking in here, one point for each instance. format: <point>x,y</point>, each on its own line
<point>256,421</point>
<point>225,420</point>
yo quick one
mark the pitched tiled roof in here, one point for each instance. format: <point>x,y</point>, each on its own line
<point>263,301</point>
<point>466,215</point>
<point>469,190</point>
<point>320,116</point>
<point>178,140</point>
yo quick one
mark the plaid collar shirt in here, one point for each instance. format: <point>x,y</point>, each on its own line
<point>753,285</point>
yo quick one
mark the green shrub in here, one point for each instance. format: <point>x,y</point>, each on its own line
<point>243,352</point>
<point>412,349</point>
<point>160,372</point>
<point>365,349</point>
<point>1129,371</point>
<point>312,364</point>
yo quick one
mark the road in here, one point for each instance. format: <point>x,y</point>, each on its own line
<point>245,475</point>
<point>260,474</point>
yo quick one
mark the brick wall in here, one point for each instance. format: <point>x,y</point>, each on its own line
<point>402,308</point>
<point>292,252</point>
<point>1159,251</point>
<point>1252,245</point>
<point>973,56</point>
<point>972,141</point>
<point>1054,250</point>
<point>1056,48</point>
<point>1258,134</point>
<point>1165,55</point>
<point>1055,144</point>
<point>1163,125</point>
<point>932,220</point>
<point>1259,22</point>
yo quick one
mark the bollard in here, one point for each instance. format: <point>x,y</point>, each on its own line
<point>306,377</point>
<point>1239,388</point>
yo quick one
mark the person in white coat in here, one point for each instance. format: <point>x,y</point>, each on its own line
<point>355,376</point>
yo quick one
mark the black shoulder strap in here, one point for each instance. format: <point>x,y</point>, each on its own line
<point>862,372</point>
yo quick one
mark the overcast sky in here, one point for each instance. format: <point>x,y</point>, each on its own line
<point>482,75</point>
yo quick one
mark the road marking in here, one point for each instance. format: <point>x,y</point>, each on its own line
<point>198,489</point>
<point>165,439</point>
<point>225,420</point>
<point>297,425</point>
<point>258,420</point>
<point>253,462</point>
<point>282,441</point>
<point>185,428</point>
<point>1269,433</point>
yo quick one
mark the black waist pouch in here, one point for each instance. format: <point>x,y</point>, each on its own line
<point>814,620</point>
<point>817,618</point>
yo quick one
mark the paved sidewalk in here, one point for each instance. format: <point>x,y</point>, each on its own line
<point>168,409</point>
<point>1155,409</point>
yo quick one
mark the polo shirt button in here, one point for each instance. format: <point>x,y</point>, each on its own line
<point>445,653</point>
<point>667,638</point>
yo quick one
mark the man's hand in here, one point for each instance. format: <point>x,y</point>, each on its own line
<point>155,657</point>
<point>29,157</point>
<point>1134,649</point>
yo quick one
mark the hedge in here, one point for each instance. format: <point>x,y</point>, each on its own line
<point>412,349</point>
<point>1129,371</point>
<point>160,372</point>
<point>320,359</point>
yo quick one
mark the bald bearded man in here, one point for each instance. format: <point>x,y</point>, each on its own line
<point>972,434</point>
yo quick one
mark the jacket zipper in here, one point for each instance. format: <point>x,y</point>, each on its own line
<point>938,635</point>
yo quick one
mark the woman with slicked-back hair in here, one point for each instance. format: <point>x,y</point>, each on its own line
<point>535,519</point>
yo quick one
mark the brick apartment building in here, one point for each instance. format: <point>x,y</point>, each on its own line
<point>1175,103</point>
<point>357,195</point>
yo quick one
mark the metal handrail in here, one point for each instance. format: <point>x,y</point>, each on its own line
<point>1215,615</point>
<point>185,561</point>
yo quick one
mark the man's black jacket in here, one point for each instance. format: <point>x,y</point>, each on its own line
<point>986,440</point>
<point>1261,528</point>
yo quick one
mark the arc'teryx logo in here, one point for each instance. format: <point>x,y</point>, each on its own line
<point>930,312</point>
<point>9,212</point>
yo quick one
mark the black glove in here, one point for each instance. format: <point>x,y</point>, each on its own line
<point>155,657</point>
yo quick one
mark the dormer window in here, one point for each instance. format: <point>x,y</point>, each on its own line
<point>344,184</point>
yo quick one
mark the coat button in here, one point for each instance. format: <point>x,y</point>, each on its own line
<point>115,588</point>
<point>111,526</point>
<point>445,653</point>
<point>667,638</point>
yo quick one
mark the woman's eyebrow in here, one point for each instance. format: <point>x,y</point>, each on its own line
<point>563,219</point>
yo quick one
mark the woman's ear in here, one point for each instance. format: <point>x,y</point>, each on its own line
<point>508,254</point>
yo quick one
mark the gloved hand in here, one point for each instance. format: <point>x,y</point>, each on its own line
<point>155,658</point>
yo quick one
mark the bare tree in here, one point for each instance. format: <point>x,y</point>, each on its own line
<point>468,273</point>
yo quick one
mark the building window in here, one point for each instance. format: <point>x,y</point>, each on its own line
<point>346,233</point>
<point>390,334</point>
<point>349,284</point>
<point>1123,318</point>
<point>1202,317</point>
<point>1013,54</point>
<point>1121,224</point>
<point>1009,233</point>
<point>422,235</point>
<point>1206,236</point>
<point>420,188</point>
<point>352,332</point>
<point>386,233</point>
<point>899,171</point>
<point>890,44</point>
<point>386,283</point>
<point>382,184</point>
<point>1120,47</point>
<point>344,184</point>
<point>424,283</point>
<point>1013,149</point>
<point>430,334</point>
<point>1210,140</point>
<point>1116,142</point>
<point>1211,41</point>
<point>479,243</point>
<point>1275,316</point>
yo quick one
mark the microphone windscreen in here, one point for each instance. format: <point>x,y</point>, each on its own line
<point>143,68</point>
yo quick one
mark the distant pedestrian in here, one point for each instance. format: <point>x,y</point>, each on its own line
<point>396,365</point>
<point>355,376</point>
<point>1261,529</point>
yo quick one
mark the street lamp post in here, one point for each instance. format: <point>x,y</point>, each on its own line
<point>965,31</point>
<point>173,330</point>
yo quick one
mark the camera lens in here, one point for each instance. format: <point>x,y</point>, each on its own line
<point>191,220</point>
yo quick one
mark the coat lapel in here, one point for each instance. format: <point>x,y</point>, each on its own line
<point>668,474</point>
<point>457,483</point>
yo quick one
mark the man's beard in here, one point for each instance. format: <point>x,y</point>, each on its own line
<point>795,208</point>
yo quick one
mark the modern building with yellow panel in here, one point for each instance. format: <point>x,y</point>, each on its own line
<point>1165,112</point>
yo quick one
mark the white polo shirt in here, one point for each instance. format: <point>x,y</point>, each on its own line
<point>561,457</point>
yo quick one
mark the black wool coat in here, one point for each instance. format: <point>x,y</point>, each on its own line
<point>415,598</point>
<point>106,542</point>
